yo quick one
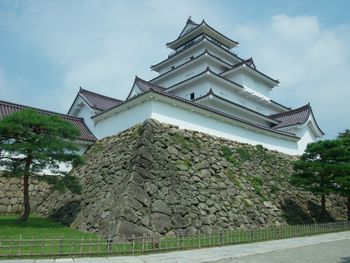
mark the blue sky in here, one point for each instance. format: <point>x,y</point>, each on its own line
<point>50,48</point>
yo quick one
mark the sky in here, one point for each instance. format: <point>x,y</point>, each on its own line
<point>48,49</point>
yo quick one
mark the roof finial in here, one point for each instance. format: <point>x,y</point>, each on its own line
<point>189,20</point>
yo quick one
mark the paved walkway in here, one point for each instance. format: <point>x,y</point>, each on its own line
<point>218,254</point>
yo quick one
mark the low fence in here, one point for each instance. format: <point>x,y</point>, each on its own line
<point>65,247</point>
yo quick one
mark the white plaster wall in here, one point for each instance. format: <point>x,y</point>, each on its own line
<point>195,51</point>
<point>306,134</point>
<point>235,112</point>
<point>86,112</point>
<point>185,119</point>
<point>188,71</point>
<point>200,88</point>
<point>232,94</point>
<point>194,121</point>
<point>123,120</point>
<point>249,81</point>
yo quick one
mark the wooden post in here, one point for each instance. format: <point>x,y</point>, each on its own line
<point>19,245</point>
<point>60,249</point>
<point>143,244</point>
<point>98,245</point>
<point>81,245</point>
<point>31,247</point>
<point>133,244</point>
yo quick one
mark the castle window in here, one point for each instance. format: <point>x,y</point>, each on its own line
<point>192,96</point>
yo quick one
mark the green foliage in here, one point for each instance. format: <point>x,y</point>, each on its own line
<point>137,132</point>
<point>61,183</point>
<point>257,183</point>
<point>31,141</point>
<point>274,189</point>
<point>45,139</point>
<point>187,163</point>
<point>260,148</point>
<point>228,155</point>
<point>233,177</point>
<point>184,142</point>
<point>244,154</point>
<point>313,171</point>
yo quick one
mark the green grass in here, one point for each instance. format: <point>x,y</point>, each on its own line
<point>40,238</point>
<point>36,227</point>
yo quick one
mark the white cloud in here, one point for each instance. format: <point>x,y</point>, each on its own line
<point>312,63</point>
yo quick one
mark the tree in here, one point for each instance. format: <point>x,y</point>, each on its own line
<point>31,141</point>
<point>314,170</point>
<point>342,168</point>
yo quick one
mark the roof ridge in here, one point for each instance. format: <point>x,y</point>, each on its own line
<point>286,113</point>
<point>98,94</point>
<point>149,83</point>
<point>39,109</point>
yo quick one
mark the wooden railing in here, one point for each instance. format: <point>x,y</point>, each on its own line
<point>66,247</point>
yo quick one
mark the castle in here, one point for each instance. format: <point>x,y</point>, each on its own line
<point>202,86</point>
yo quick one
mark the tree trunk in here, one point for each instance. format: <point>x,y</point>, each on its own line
<point>348,208</point>
<point>323,207</point>
<point>26,204</point>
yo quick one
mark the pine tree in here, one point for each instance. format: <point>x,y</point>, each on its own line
<point>342,168</point>
<point>314,170</point>
<point>31,141</point>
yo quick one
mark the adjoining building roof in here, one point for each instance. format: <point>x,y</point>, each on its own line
<point>294,117</point>
<point>7,108</point>
<point>149,88</point>
<point>145,85</point>
<point>98,101</point>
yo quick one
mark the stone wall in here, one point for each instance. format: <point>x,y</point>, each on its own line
<point>11,193</point>
<point>156,178</point>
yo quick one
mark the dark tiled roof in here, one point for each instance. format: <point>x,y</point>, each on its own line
<point>294,117</point>
<point>7,108</point>
<point>211,92</point>
<point>203,23</point>
<point>197,43</point>
<point>197,105</point>
<point>145,85</point>
<point>189,21</point>
<point>98,101</point>
<point>205,52</point>
<point>250,64</point>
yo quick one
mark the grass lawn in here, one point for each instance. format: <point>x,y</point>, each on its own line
<point>37,227</point>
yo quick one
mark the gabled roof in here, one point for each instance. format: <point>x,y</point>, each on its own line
<point>189,25</point>
<point>144,86</point>
<point>249,63</point>
<point>203,27</point>
<point>163,93</point>
<point>98,101</point>
<point>294,117</point>
<point>7,108</point>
